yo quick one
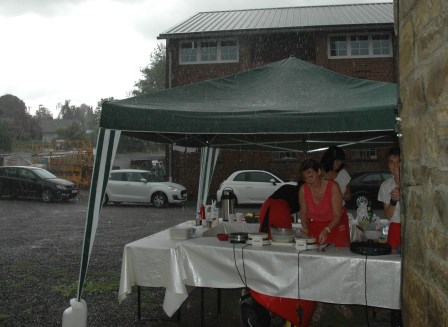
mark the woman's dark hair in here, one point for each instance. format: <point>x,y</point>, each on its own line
<point>332,154</point>
<point>395,151</point>
<point>309,164</point>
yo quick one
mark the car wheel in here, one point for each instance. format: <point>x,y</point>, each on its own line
<point>360,199</point>
<point>47,195</point>
<point>159,200</point>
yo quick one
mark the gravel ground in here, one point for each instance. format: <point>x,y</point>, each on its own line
<point>40,252</point>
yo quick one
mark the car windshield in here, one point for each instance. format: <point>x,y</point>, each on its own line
<point>42,173</point>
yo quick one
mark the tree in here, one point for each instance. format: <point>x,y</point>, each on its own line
<point>18,120</point>
<point>71,132</point>
<point>5,136</point>
<point>67,111</point>
<point>154,74</point>
<point>43,113</point>
<point>99,106</point>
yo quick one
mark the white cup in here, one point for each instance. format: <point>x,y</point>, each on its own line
<point>239,217</point>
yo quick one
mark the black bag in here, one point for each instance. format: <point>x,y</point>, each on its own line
<point>253,314</point>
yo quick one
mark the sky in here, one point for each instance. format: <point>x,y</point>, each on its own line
<point>85,50</point>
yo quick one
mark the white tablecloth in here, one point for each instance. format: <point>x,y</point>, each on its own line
<point>335,276</point>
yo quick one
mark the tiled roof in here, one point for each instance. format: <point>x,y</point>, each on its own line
<point>283,18</point>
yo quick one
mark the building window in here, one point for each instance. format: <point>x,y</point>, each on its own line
<point>338,46</point>
<point>188,51</point>
<point>214,51</point>
<point>381,44</point>
<point>209,51</point>
<point>359,45</point>
<point>229,50</point>
<point>369,153</point>
<point>284,155</point>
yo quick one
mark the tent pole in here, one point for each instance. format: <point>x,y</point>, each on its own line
<point>170,159</point>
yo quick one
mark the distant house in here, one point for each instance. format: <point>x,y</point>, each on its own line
<point>49,127</point>
<point>356,40</point>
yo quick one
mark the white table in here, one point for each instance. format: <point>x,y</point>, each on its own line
<point>335,276</point>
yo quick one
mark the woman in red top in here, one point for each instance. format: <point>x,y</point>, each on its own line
<point>321,207</point>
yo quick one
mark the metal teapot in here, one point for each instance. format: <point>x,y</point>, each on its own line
<point>228,203</point>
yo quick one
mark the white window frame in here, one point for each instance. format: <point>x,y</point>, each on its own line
<point>364,154</point>
<point>198,52</point>
<point>349,49</point>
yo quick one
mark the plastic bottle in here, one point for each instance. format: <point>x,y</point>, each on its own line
<point>202,211</point>
<point>75,315</point>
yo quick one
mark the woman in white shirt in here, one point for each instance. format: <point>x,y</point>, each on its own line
<point>333,168</point>
<point>389,194</point>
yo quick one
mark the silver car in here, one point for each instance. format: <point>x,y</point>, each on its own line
<point>251,186</point>
<point>142,186</point>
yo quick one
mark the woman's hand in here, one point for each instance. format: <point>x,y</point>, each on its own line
<point>323,236</point>
<point>395,194</point>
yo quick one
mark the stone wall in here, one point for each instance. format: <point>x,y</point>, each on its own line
<point>423,74</point>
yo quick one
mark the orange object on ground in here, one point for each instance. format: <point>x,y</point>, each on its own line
<point>287,308</point>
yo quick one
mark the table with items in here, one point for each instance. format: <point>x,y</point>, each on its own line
<point>335,276</point>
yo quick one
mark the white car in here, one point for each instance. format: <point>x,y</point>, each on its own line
<point>142,186</point>
<point>251,186</point>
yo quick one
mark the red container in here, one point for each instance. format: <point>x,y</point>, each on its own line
<point>222,236</point>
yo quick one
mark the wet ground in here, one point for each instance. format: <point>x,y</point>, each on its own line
<point>40,253</point>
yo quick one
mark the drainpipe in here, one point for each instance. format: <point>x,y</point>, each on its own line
<point>170,149</point>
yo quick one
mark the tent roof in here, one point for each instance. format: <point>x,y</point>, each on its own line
<point>296,101</point>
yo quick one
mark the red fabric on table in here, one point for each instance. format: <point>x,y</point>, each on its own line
<point>287,308</point>
<point>394,235</point>
<point>279,214</point>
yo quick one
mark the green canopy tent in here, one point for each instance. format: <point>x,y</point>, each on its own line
<point>289,105</point>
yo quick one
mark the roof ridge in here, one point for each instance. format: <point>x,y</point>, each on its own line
<point>290,7</point>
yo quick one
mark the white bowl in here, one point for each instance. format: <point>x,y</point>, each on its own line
<point>372,234</point>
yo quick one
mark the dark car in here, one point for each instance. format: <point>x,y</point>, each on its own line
<point>365,187</point>
<point>34,182</point>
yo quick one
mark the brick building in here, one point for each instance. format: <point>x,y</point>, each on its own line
<point>355,40</point>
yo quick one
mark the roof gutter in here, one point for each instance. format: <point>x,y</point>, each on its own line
<point>306,29</point>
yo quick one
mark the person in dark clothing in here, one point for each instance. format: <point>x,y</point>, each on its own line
<point>278,208</point>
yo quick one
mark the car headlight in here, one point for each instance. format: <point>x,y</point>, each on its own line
<point>61,187</point>
<point>172,188</point>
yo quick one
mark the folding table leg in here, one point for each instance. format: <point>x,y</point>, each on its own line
<point>395,318</point>
<point>139,302</point>
<point>139,309</point>
<point>218,301</point>
<point>202,307</point>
